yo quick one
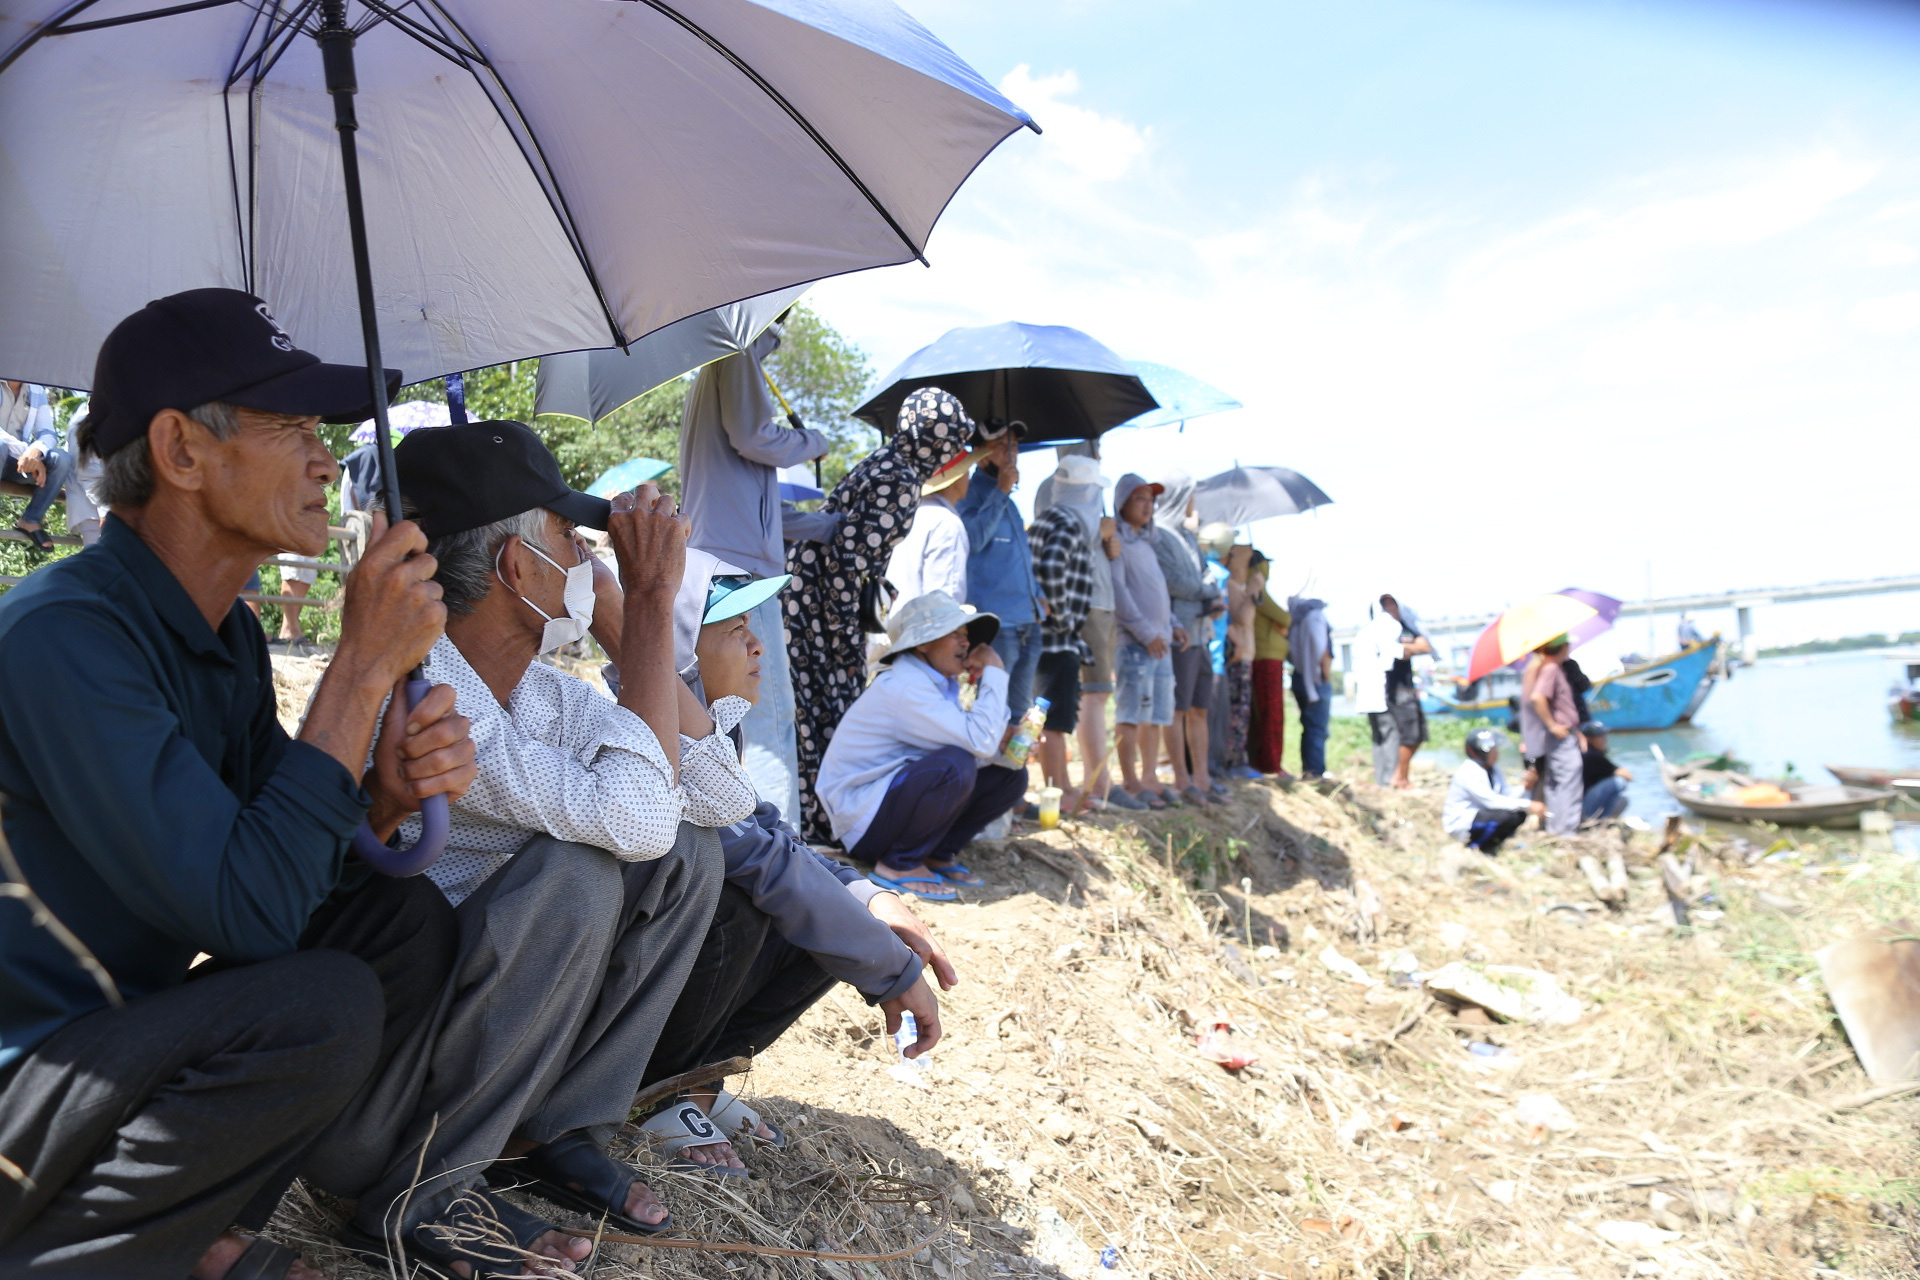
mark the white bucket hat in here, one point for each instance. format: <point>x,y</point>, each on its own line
<point>926,618</point>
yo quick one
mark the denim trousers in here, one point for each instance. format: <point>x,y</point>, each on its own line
<point>1606,798</point>
<point>1315,718</point>
<point>59,464</point>
<point>1018,645</point>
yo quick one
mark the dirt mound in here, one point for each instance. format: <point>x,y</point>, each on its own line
<point>1696,1118</point>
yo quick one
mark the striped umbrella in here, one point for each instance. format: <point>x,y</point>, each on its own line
<point>1579,615</point>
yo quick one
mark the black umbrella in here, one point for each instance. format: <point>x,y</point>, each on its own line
<point>1061,383</point>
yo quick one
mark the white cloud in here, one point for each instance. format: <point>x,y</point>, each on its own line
<point>1498,406</point>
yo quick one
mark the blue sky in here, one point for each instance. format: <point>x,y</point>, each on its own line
<point>1541,293</point>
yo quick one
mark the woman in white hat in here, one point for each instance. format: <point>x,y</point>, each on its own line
<point>905,781</point>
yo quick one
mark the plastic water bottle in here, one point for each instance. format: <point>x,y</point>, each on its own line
<point>903,1040</point>
<point>1025,734</point>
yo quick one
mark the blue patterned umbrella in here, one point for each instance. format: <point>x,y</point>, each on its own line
<point>1181,395</point>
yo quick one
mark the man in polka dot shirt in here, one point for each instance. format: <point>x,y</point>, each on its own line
<point>585,870</point>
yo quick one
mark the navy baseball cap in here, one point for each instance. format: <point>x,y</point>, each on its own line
<point>192,348</point>
<point>461,477</point>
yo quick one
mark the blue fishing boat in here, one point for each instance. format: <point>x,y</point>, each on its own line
<point>1658,694</point>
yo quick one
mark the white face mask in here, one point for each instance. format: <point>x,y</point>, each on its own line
<point>578,598</point>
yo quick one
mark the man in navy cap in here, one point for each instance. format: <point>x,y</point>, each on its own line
<point>158,810</point>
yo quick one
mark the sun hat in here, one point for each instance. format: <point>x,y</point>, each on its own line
<point>1078,468</point>
<point>1217,537</point>
<point>951,473</point>
<point>926,618</point>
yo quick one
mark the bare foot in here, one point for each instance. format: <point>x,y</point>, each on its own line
<point>219,1259</point>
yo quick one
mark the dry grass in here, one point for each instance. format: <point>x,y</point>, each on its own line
<point>1070,1110</point>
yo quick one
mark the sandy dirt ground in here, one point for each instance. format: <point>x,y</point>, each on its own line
<point>1699,1114</point>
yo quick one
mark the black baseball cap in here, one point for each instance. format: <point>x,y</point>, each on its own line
<point>188,349</point>
<point>461,477</point>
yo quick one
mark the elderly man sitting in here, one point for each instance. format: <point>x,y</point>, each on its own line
<point>905,779</point>
<point>791,922</point>
<point>149,1104</point>
<point>581,886</point>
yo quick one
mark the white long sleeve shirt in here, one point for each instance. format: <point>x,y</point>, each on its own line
<point>933,556</point>
<point>908,710</point>
<point>1475,788</point>
<point>1375,649</point>
<point>564,760</point>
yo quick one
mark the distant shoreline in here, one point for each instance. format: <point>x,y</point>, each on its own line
<point>1844,644</point>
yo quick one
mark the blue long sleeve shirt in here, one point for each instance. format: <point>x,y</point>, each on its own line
<point>153,800</point>
<point>1000,567</point>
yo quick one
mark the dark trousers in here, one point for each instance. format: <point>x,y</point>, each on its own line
<point>1315,717</point>
<point>747,987</point>
<point>149,1129</point>
<point>934,805</point>
<point>1267,732</point>
<point>1492,827</point>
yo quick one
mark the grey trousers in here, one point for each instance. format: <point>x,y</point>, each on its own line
<point>1386,746</point>
<point>1562,786</point>
<point>570,961</point>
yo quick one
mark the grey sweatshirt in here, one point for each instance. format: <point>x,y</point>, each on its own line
<point>1142,609</point>
<point>732,442</point>
<point>818,905</point>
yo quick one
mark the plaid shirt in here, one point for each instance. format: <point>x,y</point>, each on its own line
<point>1063,570</point>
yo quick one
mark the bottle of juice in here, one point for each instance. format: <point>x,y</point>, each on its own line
<point>1025,734</point>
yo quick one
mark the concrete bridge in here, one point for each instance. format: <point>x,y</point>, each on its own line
<point>1742,602</point>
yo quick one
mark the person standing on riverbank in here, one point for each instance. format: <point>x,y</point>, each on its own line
<point>1267,726</point>
<point>1312,642</point>
<point>1550,735</point>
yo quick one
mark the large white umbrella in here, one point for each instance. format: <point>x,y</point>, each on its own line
<point>539,175</point>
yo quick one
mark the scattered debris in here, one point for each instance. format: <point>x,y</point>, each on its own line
<point>1511,993</point>
<point>1337,963</point>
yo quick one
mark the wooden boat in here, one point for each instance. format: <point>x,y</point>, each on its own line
<point>1857,777</point>
<point>1710,793</point>
<point>1903,698</point>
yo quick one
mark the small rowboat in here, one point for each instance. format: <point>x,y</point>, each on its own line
<point>1856,777</point>
<point>1712,793</point>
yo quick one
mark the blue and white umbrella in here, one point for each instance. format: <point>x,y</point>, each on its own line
<point>1182,396</point>
<point>631,474</point>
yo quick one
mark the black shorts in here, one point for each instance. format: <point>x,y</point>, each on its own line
<point>1408,718</point>
<point>1058,681</point>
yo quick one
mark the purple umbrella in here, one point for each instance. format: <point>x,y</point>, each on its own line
<point>1605,610</point>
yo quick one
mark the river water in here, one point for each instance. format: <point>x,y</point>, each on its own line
<point>1804,712</point>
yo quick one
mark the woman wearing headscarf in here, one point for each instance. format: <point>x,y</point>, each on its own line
<point>876,502</point>
<point>1195,600</point>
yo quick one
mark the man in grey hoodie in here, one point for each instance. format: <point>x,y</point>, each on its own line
<point>790,922</point>
<point>1312,680</point>
<point>1143,621</point>
<point>733,442</point>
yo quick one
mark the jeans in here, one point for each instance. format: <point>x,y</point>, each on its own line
<point>1143,687</point>
<point>1315,717</point>
<point>59,464</point>
<point>934,805</point>
<point>748,985</point>
<point>1606,798</point>
<point>1019,647</point>
<point>772,757</point>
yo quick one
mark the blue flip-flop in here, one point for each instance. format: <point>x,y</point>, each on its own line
<point>954,873</point>
<point>936,892</point>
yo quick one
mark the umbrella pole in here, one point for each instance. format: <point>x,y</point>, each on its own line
<point>336,39</point>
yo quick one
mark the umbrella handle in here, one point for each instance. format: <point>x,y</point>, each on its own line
<point>425,851</point>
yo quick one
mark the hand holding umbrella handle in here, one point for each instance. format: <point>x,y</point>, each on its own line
<point>425,851</point>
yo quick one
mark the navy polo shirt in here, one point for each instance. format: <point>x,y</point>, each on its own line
<point>151,797</point>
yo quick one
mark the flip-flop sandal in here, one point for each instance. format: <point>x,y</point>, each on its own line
<point>954,873</point>
<point>42,542</point>
<point>735,1116</point>
<point>487,1232</point>
<point>1151,799</point>
<point>685,1125</point>
<point>1172,798</point>
<point>262,1259</point>
<point>936,890</point>
<point>573,1171</point>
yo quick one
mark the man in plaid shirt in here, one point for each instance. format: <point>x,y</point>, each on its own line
<point>1063,571</point>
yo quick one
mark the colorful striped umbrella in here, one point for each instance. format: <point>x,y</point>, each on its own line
<point>1579,615</point>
